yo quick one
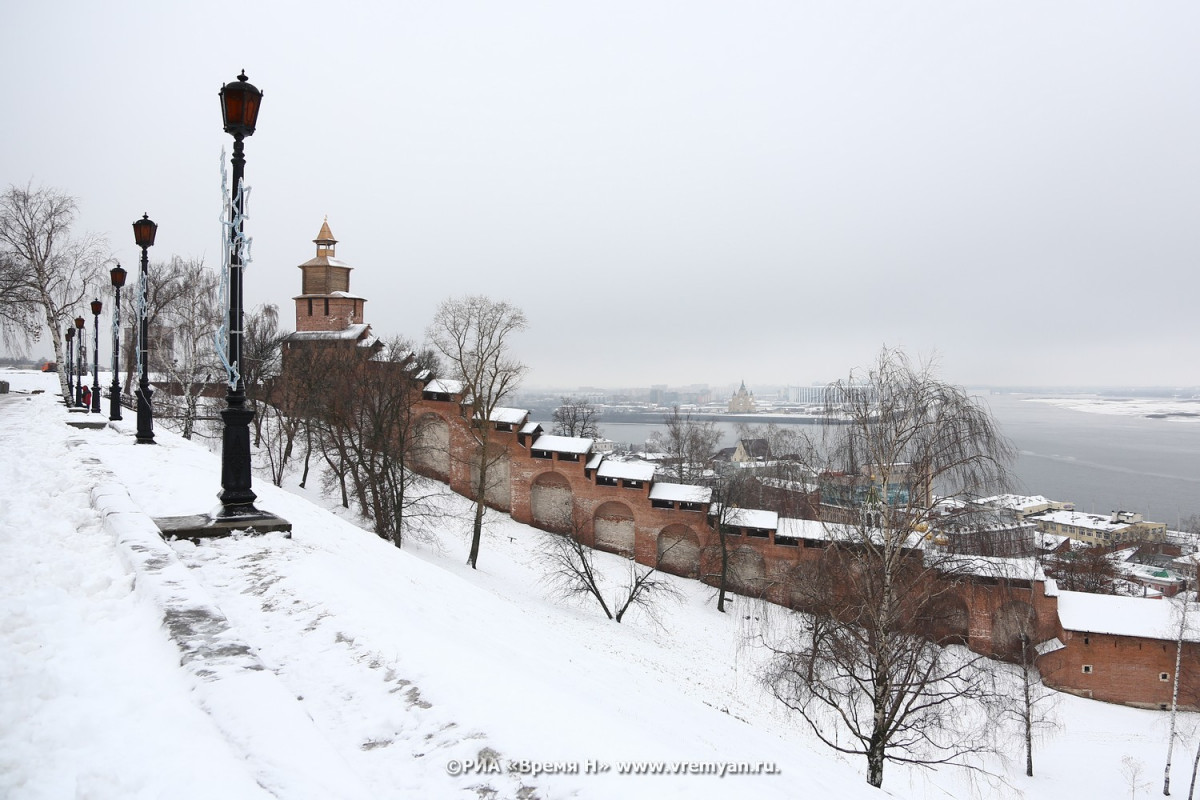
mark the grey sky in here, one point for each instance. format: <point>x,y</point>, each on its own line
<point>674,192</point>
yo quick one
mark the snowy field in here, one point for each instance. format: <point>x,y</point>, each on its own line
<point>333,665</point>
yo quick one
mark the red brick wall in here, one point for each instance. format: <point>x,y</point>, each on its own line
<point>1124,669</point>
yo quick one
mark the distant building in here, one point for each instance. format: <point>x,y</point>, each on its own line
<point>1023,505</point>
<point>1104,529</point>
<point>742,402</point>
<point>750,450</point>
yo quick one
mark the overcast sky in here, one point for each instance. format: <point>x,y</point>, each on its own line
<point>674,192</point>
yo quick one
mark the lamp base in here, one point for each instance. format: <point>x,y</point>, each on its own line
<point>219,525</point>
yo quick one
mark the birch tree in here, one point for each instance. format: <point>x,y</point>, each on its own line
<point>48,274</point>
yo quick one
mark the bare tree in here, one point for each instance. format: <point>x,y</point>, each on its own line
<point>20,322</point>
<point>46,271</point>
<point>363,408</point>
<point>571,572</point>
<point>1084,569</point>
<point>689,445</point>
<point>182,351</point>
<point>875,682</point>
<point>1032,709</point>
<point>1132,769</point>
<point>734,491</point>
<point>1182,608</point>
<point>577,418</point>
<point>474,336</point>
<point>261,358</point>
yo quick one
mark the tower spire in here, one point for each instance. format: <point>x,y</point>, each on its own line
<point>325,241</point>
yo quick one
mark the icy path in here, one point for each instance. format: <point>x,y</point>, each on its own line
<point>396,741</point>
<point>93,703</point>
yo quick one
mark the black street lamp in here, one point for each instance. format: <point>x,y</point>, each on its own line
<point>79,366</point>
<point>96,306</point>
<point>114,393</point>
<point>143,233</point>
<point>70,336</point>
<point>240,101</point>
<point>239,109</point>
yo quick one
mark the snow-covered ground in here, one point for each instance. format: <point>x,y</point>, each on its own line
<point>1176,409</point>
<point>333,665</point>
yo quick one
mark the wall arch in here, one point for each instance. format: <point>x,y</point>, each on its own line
<point>498,492</point>
<point>679,551</point>
<point>747,571</point>
<point>1009,622</point>
<point>946,620</point>
<point>614,528</point>
<point>551,502</point>
<point>431,446</point>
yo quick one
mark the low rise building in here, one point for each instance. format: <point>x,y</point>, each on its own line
<point>1110,530</point>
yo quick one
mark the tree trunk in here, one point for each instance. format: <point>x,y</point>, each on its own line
<point>724,568</point>
<point>1175,694</point>
<point>307,453</point>
<point>1028,723</point>
<point>480,486</point>
<point>875,763</point>
<point>1195,764</point>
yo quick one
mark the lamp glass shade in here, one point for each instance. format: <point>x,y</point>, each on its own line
<point>240,101</point>
<point>79,323</point>
<point>144,230</point>
<point>70,334</point>
<point>96,306</point>
<point>117,274</point>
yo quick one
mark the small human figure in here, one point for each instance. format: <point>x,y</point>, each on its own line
<point>87,397</point>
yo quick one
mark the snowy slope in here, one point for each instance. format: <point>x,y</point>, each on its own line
<point>332,664</point>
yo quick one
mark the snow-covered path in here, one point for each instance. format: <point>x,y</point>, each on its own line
<point>92,701</point>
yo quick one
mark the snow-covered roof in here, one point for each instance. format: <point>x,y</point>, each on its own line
<point>531,427</point>
<point>1016,502</point>
<point>562,444</point>
<point>347,334</point>
<point>802,528</point>
<point>1049,646</point>
<point>1024,569</point>
<point>347,295</point>
<point>512,416</point>
<point>1081,519</point>
<point>1125,616</point>
<point>749,517</point>
<point>444,386</point>
<point>626,470</point>
<point>680,493</point>
<point>323,261</point>
<point>1048,541</point>
<point>837,532</point>
<point>595,460</point>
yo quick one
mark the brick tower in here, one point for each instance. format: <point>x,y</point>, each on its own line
<point>325,302</point>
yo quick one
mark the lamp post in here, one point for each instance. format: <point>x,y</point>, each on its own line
<point>96,306</point>
<point>239,110</point>
<point>143,233</point>
<point>240,101</point>
<point>114,393</point>
<point>70,336</point>
<point>79,365</point>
